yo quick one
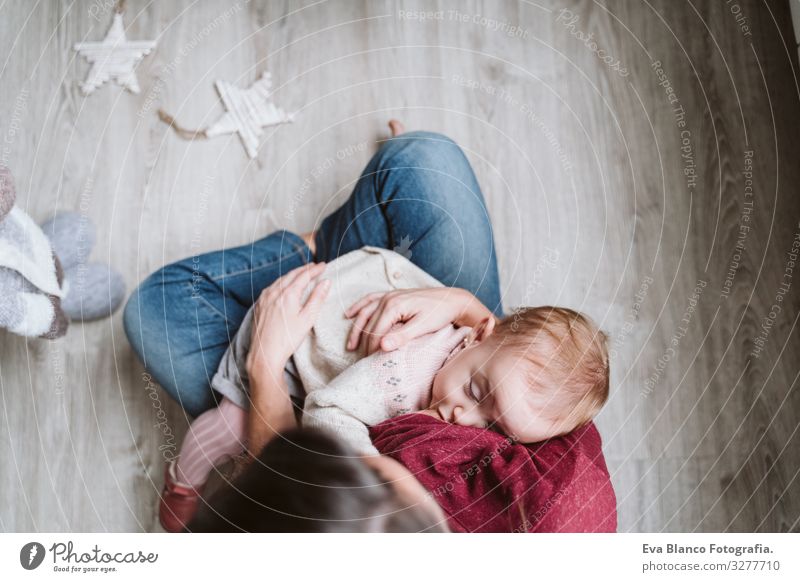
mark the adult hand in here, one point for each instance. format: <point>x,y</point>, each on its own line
<point>281,321</point>
<point>388,321</point>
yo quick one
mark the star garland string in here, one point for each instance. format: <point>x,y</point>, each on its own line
<point>248,112</point>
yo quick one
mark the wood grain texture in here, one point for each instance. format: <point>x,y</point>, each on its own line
<point>585,181</point>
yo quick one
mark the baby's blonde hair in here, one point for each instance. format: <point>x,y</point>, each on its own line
<point>569,350</point>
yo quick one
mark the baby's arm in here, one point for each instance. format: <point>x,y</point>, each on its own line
<point>380,386</point>
<point>348,405</point>
<point>338,422</point>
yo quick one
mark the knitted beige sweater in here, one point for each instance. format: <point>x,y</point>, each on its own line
<point>362,396</point>
<point>380,387</point>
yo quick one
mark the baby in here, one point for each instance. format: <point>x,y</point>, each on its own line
<point>539,373</point>
<point>533,375</point>
<point>536,374</point>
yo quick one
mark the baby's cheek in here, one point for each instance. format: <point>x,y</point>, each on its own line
<point>438,379</point>
<point>441,384</point>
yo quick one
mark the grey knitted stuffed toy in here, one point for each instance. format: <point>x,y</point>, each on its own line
<point>44,281</point>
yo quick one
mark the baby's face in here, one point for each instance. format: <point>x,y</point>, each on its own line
<point>483,385</point>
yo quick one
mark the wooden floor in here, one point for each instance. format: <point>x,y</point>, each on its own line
<point>615,187</point>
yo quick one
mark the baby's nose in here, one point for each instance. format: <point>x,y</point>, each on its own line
<point>464,417</point>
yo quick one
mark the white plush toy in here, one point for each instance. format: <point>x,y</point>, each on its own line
<point>45,282</point>
<point>30,273</point>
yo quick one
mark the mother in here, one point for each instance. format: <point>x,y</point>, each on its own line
<point>418,195</point>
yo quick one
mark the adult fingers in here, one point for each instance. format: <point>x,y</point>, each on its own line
<point>262,296</point>
<point>379,325</point>
<point>279,284</point>
<point>292,276</point>
<point>271,294</point>
<point>301,279</point>
<point>261,304</point>
<point>413,328</point>
<point>366,329</point>
<point>359,324</point>
<point>361,303</point>
<point>316,299</point>
<point>255,335</point>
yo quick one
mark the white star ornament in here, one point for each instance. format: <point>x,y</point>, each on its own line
<point>113,58</point>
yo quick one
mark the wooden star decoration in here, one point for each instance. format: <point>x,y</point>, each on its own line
<point>248,112</point>
<point>113,58</point>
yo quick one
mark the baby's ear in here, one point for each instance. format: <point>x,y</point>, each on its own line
<point>481,331</point>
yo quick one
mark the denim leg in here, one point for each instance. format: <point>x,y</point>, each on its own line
<point>419,196</point>
<point>181,319</point>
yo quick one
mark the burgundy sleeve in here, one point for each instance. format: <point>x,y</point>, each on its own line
<point>486,483</point>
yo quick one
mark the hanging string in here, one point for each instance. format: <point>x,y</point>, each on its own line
<point>181,131</point>
<point>163,115</point>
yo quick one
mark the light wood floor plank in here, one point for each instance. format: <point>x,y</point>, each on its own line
<point>584,178</point>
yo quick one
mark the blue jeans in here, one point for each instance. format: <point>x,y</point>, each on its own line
<point>418,195</point>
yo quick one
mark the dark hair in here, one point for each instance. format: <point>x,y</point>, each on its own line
<point>306,481</point>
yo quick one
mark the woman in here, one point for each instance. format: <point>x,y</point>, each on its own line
<point>417,194</point>
<point>306,481</point>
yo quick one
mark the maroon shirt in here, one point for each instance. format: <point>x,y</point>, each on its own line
<point>486,483</point>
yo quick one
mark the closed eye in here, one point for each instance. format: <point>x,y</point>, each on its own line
<point>473,392</point>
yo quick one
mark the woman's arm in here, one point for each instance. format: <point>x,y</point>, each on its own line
<point>271,410</point>
<point>280,323</point>
<point>387,321</point>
